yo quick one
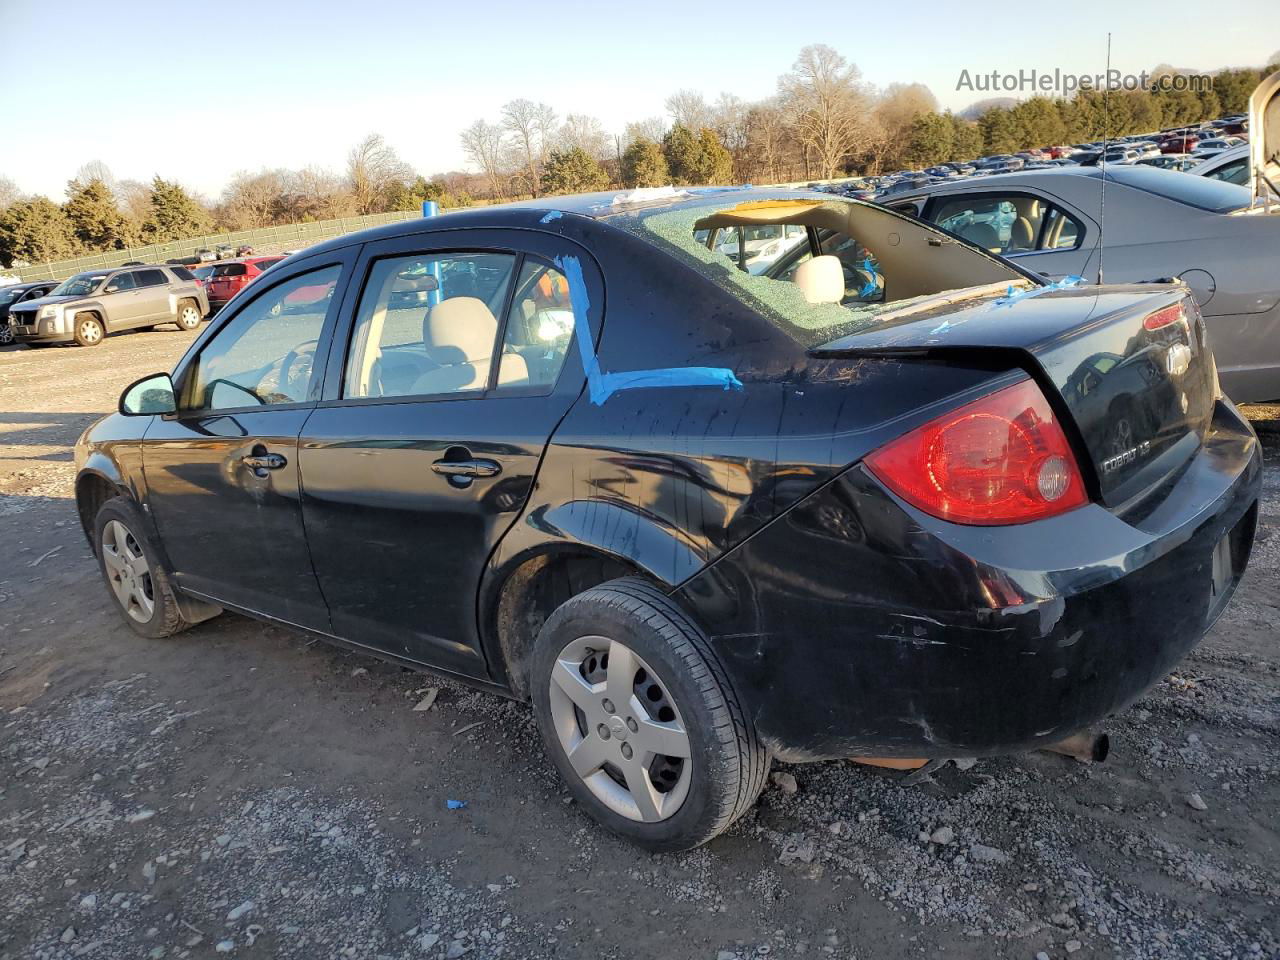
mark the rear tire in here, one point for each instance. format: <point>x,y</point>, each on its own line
<point>666,691</point>
<point>139,585</point>
<point>89,330</point>
<point>188,317</point>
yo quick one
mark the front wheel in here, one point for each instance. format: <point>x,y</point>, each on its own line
<point>640,718</point>
<point>139,584</point>
<point>6,334</point>
<point>89,331</point>
<point>188,315</point>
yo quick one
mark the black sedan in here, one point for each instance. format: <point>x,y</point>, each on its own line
<point>14,294</point>
<point>889,497</point>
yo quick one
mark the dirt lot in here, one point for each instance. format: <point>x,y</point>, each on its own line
<point>244,790</point>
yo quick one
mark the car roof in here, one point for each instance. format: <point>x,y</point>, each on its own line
<point>597,206</point>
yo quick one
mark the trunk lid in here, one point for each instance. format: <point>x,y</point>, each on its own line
<point>1129,365</point>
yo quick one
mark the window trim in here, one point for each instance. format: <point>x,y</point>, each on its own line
<point>491,389</point>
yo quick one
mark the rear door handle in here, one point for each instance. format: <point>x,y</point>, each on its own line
<point>268,461</point>
<point>466,468</point>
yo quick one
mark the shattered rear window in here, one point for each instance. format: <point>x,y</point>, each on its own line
<point>779,300</point>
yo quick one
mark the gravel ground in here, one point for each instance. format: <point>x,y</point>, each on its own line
<point>244,790</point>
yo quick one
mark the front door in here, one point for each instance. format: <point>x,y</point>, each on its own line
<point>426,445</point>
<point>222,474</point>
<point>123,300</point>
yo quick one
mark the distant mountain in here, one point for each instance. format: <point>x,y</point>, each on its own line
<point>975,110</point>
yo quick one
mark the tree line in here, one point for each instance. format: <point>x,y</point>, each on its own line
<point>823,121</point>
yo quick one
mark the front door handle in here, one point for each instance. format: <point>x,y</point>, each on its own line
<point>466,468</point>
<point>268,461</point>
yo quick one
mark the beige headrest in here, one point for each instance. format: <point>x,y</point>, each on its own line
<point>459,330</point>
<point>821,279</point>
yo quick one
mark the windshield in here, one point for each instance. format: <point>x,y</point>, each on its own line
<point>1203,193</point>
<point>10,294</point>
<point>228,270</point>
<point>81,285</point>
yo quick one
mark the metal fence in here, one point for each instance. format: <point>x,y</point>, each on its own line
<point>288,236</point>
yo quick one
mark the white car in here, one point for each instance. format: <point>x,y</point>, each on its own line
<point>761,245</point>
<point>1214,146</point>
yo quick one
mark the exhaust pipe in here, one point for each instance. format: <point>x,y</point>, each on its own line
<point>1085,747</point>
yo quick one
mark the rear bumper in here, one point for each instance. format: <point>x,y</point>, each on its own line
<point>855,625</point>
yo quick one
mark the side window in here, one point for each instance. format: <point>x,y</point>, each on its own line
<point>266,354</point>
<point>428,324</point>
<point>151,278</point>
<point>1237,171</point>
<point>119,283</point>
<point>1061,232</point>
<point>539,328</point>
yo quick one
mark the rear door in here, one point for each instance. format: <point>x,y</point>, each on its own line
<point>441,394</point>
<point>153,291</point>
<point>222,474</point>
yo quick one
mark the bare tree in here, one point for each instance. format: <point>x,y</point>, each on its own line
<point>544,119</point>
<point>689,109</point>
<point>896,110</point>
<point>586,134</point>
<point>827,105</point>
<point>527,122</point>
<point>652,129</point>
<point>95,170</point>
<point>316,194</point>
<point>253,200</point>
<point>134,199</point>
<point>9,193</point>
<point>372,168</point>
<point>483,143</point>
<point>767,139</point>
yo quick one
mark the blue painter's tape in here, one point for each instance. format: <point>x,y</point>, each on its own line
<point>551,215</point>
<point>1012,296</point>
<point>455,804</point>
<point>600,386</point>
<point>869,288</point>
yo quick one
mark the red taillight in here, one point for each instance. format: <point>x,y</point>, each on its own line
<point>1163,317</point>
<point>1002,459</point>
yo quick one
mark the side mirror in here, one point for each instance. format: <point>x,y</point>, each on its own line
<point>153,394</point>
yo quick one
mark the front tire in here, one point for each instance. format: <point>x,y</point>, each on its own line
<point>6,334</point>
<point>188,317</point>
<point>640,719</point>
<point>89,330</point>
<point>138,583</point>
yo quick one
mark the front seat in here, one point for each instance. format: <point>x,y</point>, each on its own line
<point>983,235</point>
<point>458,334</point>
<point>1021,236</point>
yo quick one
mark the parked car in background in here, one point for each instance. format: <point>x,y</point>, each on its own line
<point>1159,224</point>
<point>89,306</point>
<point>1120,155</point>
<point>204,255</point>
<point>1231,165</point>
<point>684,530</point>
<point>1170,161</point>
<point>1213,146</point>
<point>244,250</point>
<point>231,276</point>
<point>14,294</point>
<point>1184,143</point>
<point>942,171</point>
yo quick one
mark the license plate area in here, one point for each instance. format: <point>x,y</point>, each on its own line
<point>1227,563</point>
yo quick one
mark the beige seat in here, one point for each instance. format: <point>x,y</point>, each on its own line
<point>1021,236</point>
<point>821,279</point>
<point>458,334</point>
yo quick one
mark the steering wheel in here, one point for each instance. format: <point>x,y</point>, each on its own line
<point>303,355</point>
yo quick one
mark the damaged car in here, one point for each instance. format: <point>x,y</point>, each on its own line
<point>700,517</point>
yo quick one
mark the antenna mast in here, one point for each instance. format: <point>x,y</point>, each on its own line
<point>1106,133</point>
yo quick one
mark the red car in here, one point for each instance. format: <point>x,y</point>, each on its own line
<point>1179,143</point>
<point>231,276</point>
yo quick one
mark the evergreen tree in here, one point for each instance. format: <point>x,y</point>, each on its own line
<point>643,164</point>
<point>572,171</point>
<point>680,147</point>
<point>35,230</point>
<point>95,219</point>
<point>175,215</point>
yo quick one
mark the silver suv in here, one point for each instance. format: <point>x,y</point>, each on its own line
<point>87,307</point>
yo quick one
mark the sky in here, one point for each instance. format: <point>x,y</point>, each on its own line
<point>196,92</point>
